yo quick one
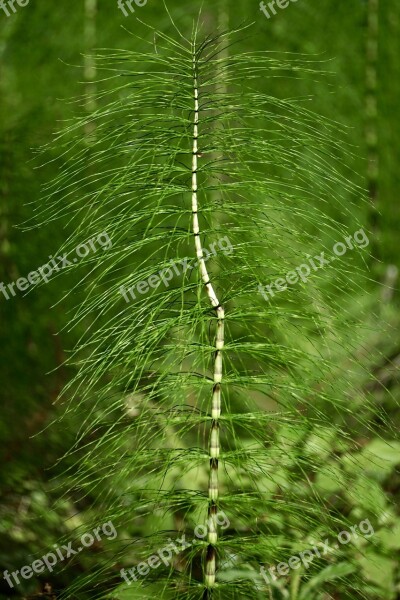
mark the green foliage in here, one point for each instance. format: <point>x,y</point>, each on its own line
<point>267,185</point>
<point>309,428</point>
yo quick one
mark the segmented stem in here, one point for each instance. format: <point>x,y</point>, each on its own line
<point>372,102</point>
<point>214,445</point>
<point>90,70</point>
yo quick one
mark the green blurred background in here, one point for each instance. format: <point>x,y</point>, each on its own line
<point>42,48</point>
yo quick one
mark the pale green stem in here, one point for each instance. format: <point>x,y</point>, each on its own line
<point>89,69</point>
<point>214,446</point>
<point>372,105</point>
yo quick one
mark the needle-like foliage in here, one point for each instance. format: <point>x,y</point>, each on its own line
<point>200,402</point>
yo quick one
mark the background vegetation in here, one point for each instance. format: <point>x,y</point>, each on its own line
<point>43,66</point>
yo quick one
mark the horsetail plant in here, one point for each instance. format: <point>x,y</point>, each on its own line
<point>210,568</point>
<point>198,397</point>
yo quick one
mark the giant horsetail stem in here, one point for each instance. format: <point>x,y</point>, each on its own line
<point>214,444</point>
